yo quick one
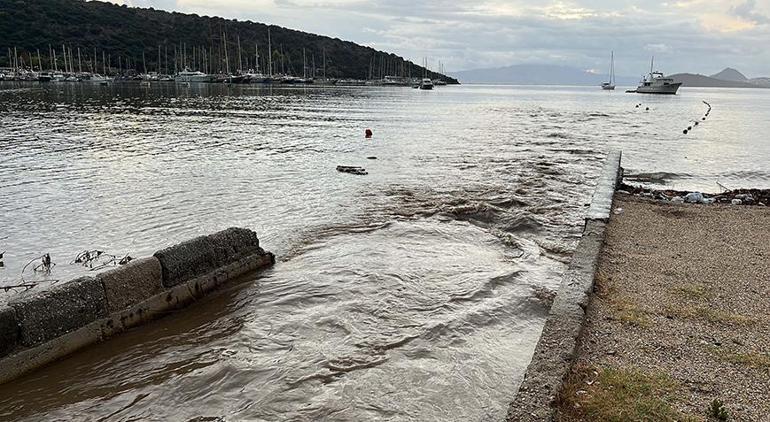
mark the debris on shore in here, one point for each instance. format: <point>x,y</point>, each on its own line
<point>760,197</point>
<point>359,171</point>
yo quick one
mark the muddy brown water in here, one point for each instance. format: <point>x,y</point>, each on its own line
<point>411,293</point>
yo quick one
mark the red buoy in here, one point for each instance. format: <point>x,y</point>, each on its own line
<point>368,133</point>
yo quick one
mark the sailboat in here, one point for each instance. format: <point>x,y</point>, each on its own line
<point>610,85</point>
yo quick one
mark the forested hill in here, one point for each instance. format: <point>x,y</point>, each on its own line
<point>145,37</point>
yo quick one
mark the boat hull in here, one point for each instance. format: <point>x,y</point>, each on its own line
<point>669,89</point>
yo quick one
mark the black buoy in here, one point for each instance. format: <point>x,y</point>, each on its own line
<point>685,131</point>
<point>704,118</point>
<point>689,127</point>
<point>647,109</point>
<point>697,123</point>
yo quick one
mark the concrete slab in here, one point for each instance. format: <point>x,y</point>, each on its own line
<point>9,330</point>
<point>58,311</point>
<point>132,283</point>
<point>601,203</point>
<point>205,254</point>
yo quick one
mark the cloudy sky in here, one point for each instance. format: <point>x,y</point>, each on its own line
<point>701,36</point>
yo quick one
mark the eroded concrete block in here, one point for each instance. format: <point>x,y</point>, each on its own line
<point>9,330</point>
<point>62,309</point>
<point>204,254</point>
<point>132,283</point>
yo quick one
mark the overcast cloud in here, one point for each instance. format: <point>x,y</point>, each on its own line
<point>700,36</point>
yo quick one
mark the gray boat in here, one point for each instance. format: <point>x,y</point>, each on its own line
<point>657,83</point>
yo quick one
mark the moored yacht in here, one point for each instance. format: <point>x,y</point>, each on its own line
<point>188,75</point>
<point>426,83</point>
<point>657,83</point>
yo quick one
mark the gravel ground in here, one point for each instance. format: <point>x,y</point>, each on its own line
<point>684,290</point>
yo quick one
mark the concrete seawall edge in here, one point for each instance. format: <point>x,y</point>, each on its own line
<point>555,350</point>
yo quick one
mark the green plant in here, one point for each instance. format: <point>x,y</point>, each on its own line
<point>718,411</point>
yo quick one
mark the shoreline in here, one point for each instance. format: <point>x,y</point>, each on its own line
<point>676,319</point>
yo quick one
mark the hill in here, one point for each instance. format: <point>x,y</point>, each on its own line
<point>730,74</point>
<point>695,80</point>
<point>153,39</point>
<point>536,74</point>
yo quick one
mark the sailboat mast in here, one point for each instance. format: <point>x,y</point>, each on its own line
<point>240,61</point>
<point>612,68</point>
<point>269,54</point>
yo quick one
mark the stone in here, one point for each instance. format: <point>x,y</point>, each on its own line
<point>63,309</point>
<point>9,330</point>
<point>693,198</point>
<point>131,284</point>
<point>205,254</point>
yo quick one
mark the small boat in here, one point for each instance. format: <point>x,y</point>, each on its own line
<point>189,76</point>
<point>610,85</point>
<point>657,83</point>
<point>426,83</point>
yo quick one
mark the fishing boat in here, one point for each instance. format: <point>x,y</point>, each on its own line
<point>610,85</point>
<point>657,83</point>
<point>426,83</point>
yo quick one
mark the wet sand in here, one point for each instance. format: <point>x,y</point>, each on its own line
<point>680,314</point>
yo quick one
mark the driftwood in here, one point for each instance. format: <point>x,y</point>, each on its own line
<point>360,171</point>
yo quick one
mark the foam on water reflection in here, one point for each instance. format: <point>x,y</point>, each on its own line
<point>412,293</point>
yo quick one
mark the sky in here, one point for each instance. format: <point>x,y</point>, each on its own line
<point>698,36</point>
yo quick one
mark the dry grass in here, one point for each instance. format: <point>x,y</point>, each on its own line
<point>620,395</point>
<point>628,312</point>
<point>751,359</point>
<point>691,291</point>
<point>709,314</point>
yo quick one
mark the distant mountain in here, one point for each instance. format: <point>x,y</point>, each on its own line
<point>139,39</point>
<point>695,80</point>
<point>730,74</point>
<point>536,74</point>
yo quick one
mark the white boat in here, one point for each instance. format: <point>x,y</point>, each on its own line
<point>657,83</point>
<point>610,85</point>
<point>188,75</point>
<point>426,83</point>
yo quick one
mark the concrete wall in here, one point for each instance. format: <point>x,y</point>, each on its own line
<point>555,351</point>
<point>41,328</point>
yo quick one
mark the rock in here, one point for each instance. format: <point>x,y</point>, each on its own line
<point>624,192</point>
<point>736,202</point>
<point>648,195</point>
<point>746,198</point>
<point>693,198</point>
<point>709,200</point>
<point>677,200</point>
